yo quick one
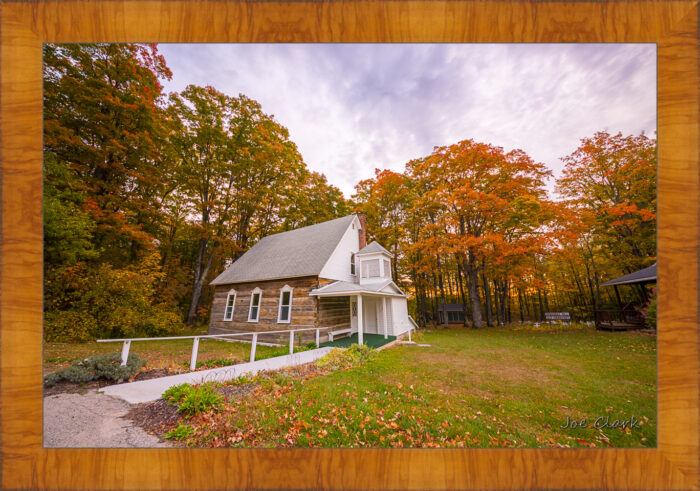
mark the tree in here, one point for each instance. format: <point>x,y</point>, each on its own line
<point>472,187</point>
<point>104,125</point>
<point>105,176</point>
<point>235,164</point>
<point>614,178</point>
<point>610,181</point>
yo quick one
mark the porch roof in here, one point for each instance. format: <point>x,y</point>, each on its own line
<point>646,275</point>
<point>342,288</point>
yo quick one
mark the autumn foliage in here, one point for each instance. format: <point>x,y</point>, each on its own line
<point>148,196</point>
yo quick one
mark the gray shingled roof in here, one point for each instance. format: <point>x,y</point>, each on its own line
<point>374,247</point>
<point>646,275</point>
<point>300,252</point>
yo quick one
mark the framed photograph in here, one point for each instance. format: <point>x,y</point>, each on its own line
<point>330,245</point>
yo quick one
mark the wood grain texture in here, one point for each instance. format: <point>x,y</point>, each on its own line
<point>26,25</point>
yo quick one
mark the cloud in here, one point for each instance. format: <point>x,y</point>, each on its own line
<point>352,108</point>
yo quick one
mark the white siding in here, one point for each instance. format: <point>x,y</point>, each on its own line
<point>338,265</point>
<point>400,314</point>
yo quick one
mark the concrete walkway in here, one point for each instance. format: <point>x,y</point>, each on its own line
<point>92,420</point>
<point>150,390</point>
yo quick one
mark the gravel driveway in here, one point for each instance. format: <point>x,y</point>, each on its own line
<point>92,420</point>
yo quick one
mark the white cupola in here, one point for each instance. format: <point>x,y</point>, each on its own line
<point>373,264</point>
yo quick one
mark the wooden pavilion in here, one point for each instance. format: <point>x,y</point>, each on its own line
<point>627,317</point>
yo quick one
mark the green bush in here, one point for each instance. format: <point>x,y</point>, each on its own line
<point>162,322</point>
<point>193,400</point>
<point>355,355</point>
<point>88,302</point>
<point>176,393</point>
<point>69,326</point>
<point>99,367</point>
<point>180,433</point>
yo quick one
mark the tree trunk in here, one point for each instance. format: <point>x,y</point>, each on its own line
<point>461,293</point>
<point>520,305</point>
<point>539,298</point>
<point>487,298</point>
<point>473,288</point>
<point>510,319</point>
<point>497,302</point>
<point>201,271</point>
<point>442,293</point>
<point>595,277</point>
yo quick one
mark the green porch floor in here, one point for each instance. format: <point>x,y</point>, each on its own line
<point>371,340</point>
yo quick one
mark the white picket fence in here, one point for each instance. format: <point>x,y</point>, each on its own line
<point>195,344</point>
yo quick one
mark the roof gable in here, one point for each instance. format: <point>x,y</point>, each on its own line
<point>347,288</point>
<point>373,248</point>
<point>300,252</point>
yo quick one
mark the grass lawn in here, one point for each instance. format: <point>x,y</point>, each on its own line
<point>173,354</point>
<point>473,388</point>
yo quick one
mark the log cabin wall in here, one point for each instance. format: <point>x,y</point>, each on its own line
<point>304,308</point>
<point>334,312</point>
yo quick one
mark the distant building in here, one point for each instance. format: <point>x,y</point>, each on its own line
<point>455,313</point>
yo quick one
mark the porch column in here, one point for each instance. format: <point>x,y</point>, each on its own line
<point>360,315</point>
<point>387,306</point>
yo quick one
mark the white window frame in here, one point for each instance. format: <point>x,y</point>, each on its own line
<point>233,306</point>
<point>353,264</point>
<point>285,288</point>
<point>385,273</point>
<point>250,308</point>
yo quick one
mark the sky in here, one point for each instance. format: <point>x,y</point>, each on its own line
<point>354,108</point>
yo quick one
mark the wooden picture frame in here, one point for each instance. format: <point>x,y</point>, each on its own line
<point>672,25</point>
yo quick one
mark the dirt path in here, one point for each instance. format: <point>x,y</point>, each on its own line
<point>92,420</point>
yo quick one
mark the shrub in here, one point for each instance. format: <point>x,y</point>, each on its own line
<point>176,393</point>
<point>69,326</point>
<point>88,302</point>
<point>162,322</point>
<point>193,400</point>
<point>241,380</point>
<point>355,355</point>
<point>180,433</point>
<point>106,367</point>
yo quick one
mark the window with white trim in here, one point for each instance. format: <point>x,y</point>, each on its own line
<point>387,268</point>
<point>284,314</point>
<point>255,300</point>
<point>230,304</point>
<point>352,263</point>
<point>370,268</point>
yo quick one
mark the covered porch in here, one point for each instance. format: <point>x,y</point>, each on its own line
<point>361,314</point>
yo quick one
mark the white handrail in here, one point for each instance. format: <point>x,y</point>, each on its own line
<point>195,344</point>
<point>206,335</point>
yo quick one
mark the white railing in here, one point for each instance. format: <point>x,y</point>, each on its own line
<point>415,326</point>
<point>195,345</point>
